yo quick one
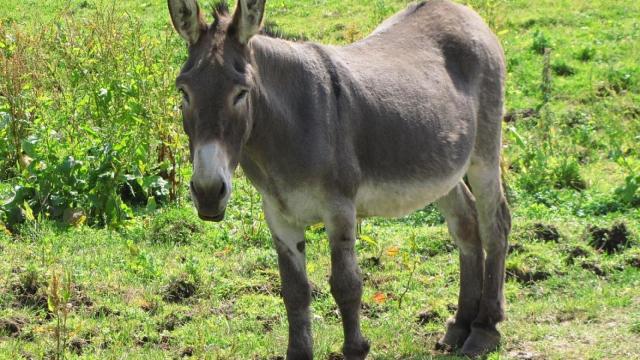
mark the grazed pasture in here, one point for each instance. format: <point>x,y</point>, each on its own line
<point>147,280</point>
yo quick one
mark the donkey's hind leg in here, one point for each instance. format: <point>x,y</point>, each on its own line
<point>459,210</point>
<point>494,223</point>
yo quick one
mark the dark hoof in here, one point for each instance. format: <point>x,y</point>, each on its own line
<point>482,341</point>
<point>455,337</point>
<point>356,352</point>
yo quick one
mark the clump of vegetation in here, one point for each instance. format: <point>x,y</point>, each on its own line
<point>586,53</point>
<point>561,68</point>
<point>540,42</point>
<point>175,226</point>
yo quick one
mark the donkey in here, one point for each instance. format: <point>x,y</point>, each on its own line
<point>330,134</point>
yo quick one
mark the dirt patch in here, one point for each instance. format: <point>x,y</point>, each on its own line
<point>79,296</point>
<point>104,312</point>
<point>335,356</point>
<point>267,322</point>
<point>77,345</point>
<point>263,289</point>
<point>515,248</point>
<point>611,240</point>
<point>30,290</point>
<point>173,321</point>
<point>526,276</point>
<point>546,232</point>
<point>13,326</point>
<point>576,253</point>
<point>187,352</point>
<point>316,292</point>
<point>371,262</point>
<point>178,290</point>
<point>593,267</point>
<point>516,115</point>
<point>371,311</point>
<point>428,316</point>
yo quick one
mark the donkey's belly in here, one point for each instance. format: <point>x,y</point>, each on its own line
<point>397,198</point>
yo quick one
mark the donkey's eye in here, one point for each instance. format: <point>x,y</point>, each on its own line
<point>241,95</point>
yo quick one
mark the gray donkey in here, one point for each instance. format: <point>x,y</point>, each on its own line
<point>329,134</point>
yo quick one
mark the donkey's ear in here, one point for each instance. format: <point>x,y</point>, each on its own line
<point>247,19</point>
<point>187,19</point>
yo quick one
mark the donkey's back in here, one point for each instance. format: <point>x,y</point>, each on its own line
<point>422,93</point>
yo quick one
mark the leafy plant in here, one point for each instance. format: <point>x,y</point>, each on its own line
<point>540,42</point>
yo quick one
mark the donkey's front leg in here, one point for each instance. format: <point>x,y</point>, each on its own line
<point>296,291</point>
<point>346,280</point>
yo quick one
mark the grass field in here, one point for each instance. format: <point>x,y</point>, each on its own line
<point>162,284</point>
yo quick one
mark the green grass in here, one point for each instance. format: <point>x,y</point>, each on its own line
<point>567,160</point>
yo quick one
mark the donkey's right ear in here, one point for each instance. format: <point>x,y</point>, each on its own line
<point>187,19</point>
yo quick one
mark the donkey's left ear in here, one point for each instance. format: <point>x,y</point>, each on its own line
<point>187,19</point>
<point>247,19</point>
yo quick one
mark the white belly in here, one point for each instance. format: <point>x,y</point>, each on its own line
<point>395,199</point>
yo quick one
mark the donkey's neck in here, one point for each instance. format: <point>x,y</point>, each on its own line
<point>283,69</point>
<point>291,105</point>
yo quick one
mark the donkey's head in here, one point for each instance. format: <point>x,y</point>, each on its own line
<point>216,83</point>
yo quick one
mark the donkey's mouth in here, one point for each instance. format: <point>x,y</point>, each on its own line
<point>216,218</point>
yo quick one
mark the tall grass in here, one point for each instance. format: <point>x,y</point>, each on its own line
<point>88,114</point>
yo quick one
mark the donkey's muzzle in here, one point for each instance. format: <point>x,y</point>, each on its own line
<point>211,200</point>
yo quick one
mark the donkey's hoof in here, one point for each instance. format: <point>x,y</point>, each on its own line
<point>356,352</point>
<point>455,337</point>
<point>482,341</point>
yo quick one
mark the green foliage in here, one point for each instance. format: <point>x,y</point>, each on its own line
<point>561,68</point>
<point>175,226</point>
<point>587,53</point>
<point>540,42</point>
<point>90,118</point>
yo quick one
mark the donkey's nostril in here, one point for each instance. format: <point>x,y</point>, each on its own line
<point>223,189</point>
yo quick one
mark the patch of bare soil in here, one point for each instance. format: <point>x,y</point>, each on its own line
<point>174,321</point>
<point>528,277</point>
<point>178,290</point>
<point>13,326</point>
<point>577,252</point>
<point>335,356</point>
<point>428,316</point>
<point>267,322</point>
<point>593,267</point>
<point>515,248</point>
<point>546,232</point>
<point>29,290</point>
<point>514,115</point>
<point>78,344</point>
<point>611,240</point>
<point>103,311</point>
<point>187,352</point>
